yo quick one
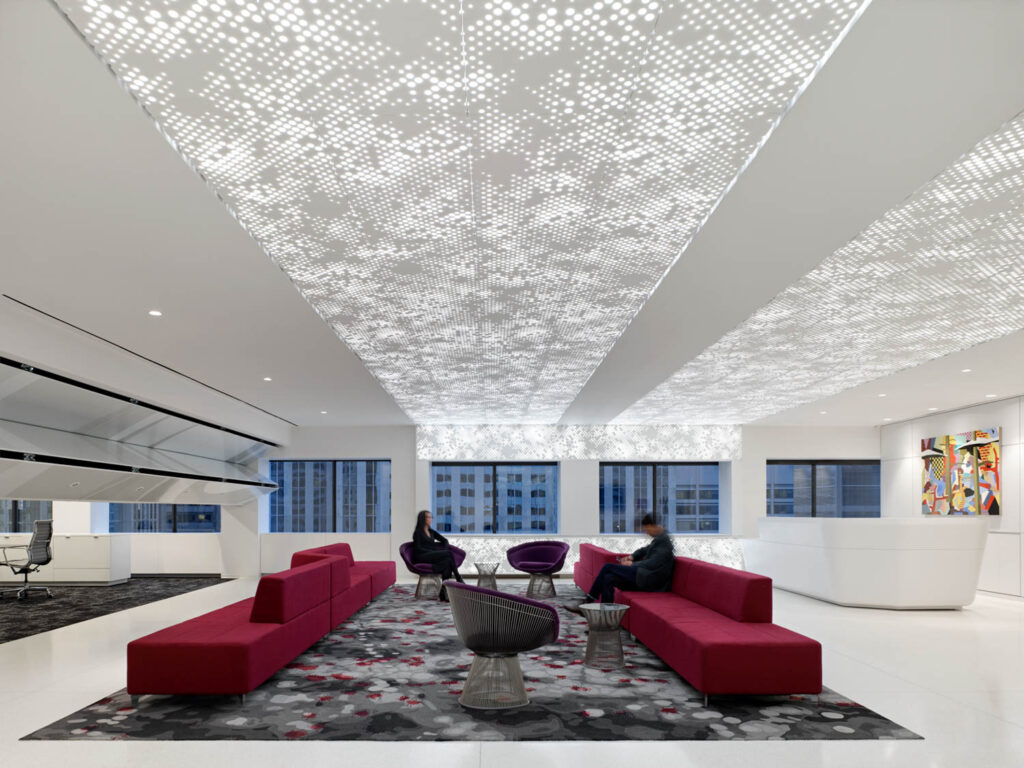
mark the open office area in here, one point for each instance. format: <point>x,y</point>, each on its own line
<point>500,382</point>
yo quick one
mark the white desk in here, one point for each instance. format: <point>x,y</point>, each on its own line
<point>93,558</point>
<point>912,562</point>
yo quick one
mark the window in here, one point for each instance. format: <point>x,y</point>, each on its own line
<point>331,496</point>
<point>18,516</point>
<point>824,489</point>
<point>164,518</point>
<point>491,498</point>
<point>682,497</point>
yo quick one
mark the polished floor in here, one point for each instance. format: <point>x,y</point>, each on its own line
<point>955,677</point>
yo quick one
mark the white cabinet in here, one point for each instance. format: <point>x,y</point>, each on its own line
<point>79,557</point>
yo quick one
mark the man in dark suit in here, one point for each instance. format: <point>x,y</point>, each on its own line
<point>649,569</point>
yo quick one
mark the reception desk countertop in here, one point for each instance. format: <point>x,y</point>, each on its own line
<point>913,562</point>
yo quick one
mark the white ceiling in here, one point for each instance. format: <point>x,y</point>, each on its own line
<point>482,248</point>
<point>103,222</point>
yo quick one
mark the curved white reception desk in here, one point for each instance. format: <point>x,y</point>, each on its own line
<point>913,562</point>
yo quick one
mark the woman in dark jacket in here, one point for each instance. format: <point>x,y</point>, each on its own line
<point>429,546</point>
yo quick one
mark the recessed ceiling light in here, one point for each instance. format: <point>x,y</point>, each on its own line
<point>323,413</point>
<point>933,408</point>
<point>155,313</point>
<point>267,378</point>
<point>887,418</point>
<point>965,370</point>
<point>882,394</point>
<point>990,396</point>
<point>822,412</point>
<point>75,484</point>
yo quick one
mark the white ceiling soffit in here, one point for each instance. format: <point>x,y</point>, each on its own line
<point>478,197</point>
<point>938,274</point>
<point>557,442</point>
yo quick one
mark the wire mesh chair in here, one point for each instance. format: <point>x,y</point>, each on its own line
<point>37,553</point>
<point>540,559</point>
<point>497,627</point>
<point>428,587</point>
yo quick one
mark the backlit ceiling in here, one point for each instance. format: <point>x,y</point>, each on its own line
<point>938,274</point>
<point>476,196</point>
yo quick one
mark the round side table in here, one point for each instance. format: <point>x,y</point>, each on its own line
<point>485,575</point>
<point>604,640</point>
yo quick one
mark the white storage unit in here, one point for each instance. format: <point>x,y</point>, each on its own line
<point>91,558</point>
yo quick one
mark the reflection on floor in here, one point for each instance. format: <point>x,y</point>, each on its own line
<point>395,670</point>
<point>37,613</point>
<point>954,677</point>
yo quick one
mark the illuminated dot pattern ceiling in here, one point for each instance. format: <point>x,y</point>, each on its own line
<point>477,196</point>
<point>938,274</point>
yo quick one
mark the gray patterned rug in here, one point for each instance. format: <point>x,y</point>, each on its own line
<point>394,672</point>
<point>37,613</point>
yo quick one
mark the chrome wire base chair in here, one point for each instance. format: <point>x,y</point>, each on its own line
<point>428,587</point>
<point>497,627</point>
<point>541,585</point>
<point>540,559</point>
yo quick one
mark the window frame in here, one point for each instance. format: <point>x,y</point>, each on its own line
<point>493,465</point>
<point>813,464</point>
<point>16,514</point>
<point>174,516</point>
<point>654,495</point>
<point>334,493</point>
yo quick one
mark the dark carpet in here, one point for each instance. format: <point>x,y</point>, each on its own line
<point>395,670</point>
<point>37,613</point>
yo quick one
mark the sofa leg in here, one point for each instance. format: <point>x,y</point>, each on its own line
<point>241,699</point>
<point>705,701</point>
<point>135,701</point>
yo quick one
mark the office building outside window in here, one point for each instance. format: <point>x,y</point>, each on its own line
<point>823,488</point>
<point>494,498</point>
<point>351,496</point>
<point>17,516</point>
<point>164,518</point>
<point>682,497</point>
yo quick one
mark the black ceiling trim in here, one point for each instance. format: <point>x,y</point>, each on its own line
<point>73,382</point>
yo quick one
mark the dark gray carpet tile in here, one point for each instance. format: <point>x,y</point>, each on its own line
<point>37,613</point>
<point>395,670</point>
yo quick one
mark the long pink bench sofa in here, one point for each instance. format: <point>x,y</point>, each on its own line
<point>714,627</point>
<point>235,649</point>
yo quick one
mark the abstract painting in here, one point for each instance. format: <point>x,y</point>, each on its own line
<point>961,472</point>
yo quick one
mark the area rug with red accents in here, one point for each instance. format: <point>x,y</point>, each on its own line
<point>395,670</point>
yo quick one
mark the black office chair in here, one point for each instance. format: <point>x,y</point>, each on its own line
<point>37,553</point>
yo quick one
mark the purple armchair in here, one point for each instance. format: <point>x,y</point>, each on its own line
<point>497,627</point>
<point>540,559</point>
<point>428,587</point>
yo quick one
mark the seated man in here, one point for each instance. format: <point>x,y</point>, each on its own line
<point>649,569</point>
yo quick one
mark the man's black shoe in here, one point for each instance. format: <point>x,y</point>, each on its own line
<point>574,608</point>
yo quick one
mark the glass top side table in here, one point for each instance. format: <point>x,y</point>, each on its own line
<point>604,639</point>
<point>485,575</point>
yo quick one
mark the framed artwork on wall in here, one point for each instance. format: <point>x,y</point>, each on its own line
<point>961,473</point>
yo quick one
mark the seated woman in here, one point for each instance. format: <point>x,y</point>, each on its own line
<point>429,546</point>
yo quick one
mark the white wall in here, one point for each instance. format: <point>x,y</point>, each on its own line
<point>760,444</point>
<point>901,482</point>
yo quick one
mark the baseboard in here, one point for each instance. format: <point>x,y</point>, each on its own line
<point>177,576</point>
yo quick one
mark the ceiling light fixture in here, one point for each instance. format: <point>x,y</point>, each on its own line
<point>887,418</point>
<point>882,394</point>
<point>933,408</point>
<point>822,413</point>
<point>965,370</point>
<point>801,347</point>
<point>991,396</point>
<point>544,201</point>
<point>155,313</point>
<point>323,413</point>
<point>267,378</point>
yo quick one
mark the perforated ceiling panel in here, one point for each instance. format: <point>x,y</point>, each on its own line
<point>477,197</point>
<point>938,274</point>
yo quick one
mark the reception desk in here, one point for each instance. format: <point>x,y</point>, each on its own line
<point>913,562</point>
<point>90,558</point>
